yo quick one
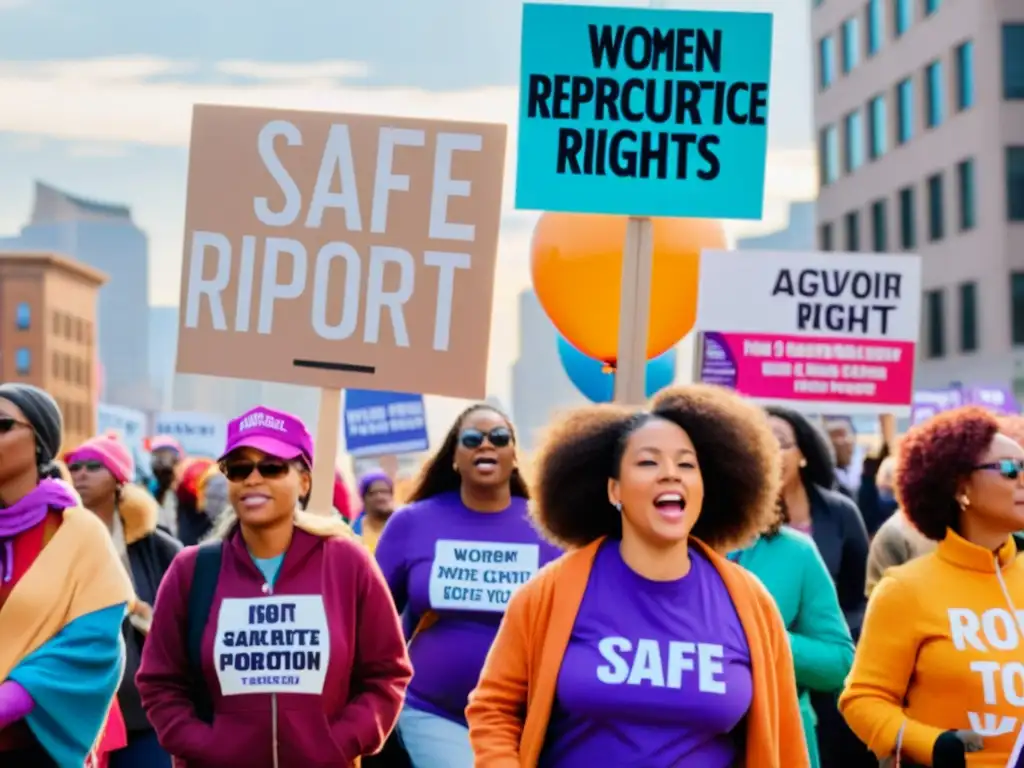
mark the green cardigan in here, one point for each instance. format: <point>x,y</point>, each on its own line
<point>789,566</point>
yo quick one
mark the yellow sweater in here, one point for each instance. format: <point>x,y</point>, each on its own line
<point>941,650</point>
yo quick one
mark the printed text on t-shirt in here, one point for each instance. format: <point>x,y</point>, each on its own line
<point>992,632</point>
<point>662,664</point>
<point>479,575</point>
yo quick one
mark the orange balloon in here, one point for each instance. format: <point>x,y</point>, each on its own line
<point>576,262</point>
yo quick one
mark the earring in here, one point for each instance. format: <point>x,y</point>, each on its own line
<point>617,505</point>
<point>803,463</point>
<point>964,502</point>
<point>455,468</point>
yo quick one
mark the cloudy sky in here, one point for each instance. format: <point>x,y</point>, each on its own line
<point>95,98</point>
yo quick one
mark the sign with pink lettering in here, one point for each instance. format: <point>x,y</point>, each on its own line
<point>821,332</point>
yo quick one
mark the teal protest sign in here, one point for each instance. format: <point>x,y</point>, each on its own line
<point>643,112</point>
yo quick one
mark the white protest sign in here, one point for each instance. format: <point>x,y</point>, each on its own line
<point>479,575</point>
<point>277,644</point>
<point>821,332</point>
<point>127,423</point>
<point>200,434</point>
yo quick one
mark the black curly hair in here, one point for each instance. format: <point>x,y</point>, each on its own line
<point>813,444</point>
<point>737,452</point>
<point>438,474</point>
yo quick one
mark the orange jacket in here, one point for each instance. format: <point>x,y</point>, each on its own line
<point>509,710</point>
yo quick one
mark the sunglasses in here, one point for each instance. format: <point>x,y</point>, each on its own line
<point>88,466</point>
<point>499,437</point>
<point>269,469</point>
<point>1011,469</point>
<point>8,423</point>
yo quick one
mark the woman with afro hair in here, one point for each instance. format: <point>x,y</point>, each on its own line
<point>937,674</point>
<point>643,645</point>
<point>452,557</point>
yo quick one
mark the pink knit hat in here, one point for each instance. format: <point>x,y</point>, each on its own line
<point>109,451</point>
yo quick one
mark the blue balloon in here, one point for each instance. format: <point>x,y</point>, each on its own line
<point>598,385</point>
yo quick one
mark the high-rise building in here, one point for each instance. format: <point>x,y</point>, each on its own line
<point>540,386</point>
<point>797,235</point>
<point>919,111</point>
<point>48,311</point>
<point>104,237</point>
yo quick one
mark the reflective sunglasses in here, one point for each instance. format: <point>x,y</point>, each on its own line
<point>8,423</point>
<point>88,466</point>
<point>1011,469</point>
<point>499,437</point>
<point>240,469</point>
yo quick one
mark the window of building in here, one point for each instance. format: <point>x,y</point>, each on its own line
<point>853,145</point>
<point>1015,183</point>
<point>23,316</point>
<point>931,6</point>
<point>876,26</point>
<point>936,220</point>
<point>851,227</point>
<point>23,361</point>
<point>877,127</point>
<point>1017,307</point>
<point>55,360</point>
<point>825,238</point>
<point>904,111</point>
<point>965,76</point>
<point>934,106</point>
<point>908,221</point>
<point>935,323</point>
<point>965,194</point>
<point>879,227</point>
<point>1013,61</point>
<point>851,44</point>
<point>968,317</point>
<point>826,61</point>
<point>828,154</point>
<point>903,16</point>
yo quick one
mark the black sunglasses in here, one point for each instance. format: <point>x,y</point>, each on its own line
<point>499,437</point>
<point>88,466</point>
<point>239,470</point>
<point>7,423</point>
<point>1011,469</point>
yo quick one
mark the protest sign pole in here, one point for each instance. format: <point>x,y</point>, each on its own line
<point>326,451</point>
<point>697,366</point>
<point>634,311</point>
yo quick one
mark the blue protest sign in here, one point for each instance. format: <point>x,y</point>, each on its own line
<point>643,112</point>
<point>384,423</point>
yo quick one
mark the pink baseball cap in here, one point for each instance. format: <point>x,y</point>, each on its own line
<point>108,451</point>
<point>276,433</point>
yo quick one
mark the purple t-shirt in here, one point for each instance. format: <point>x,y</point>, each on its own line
<point>655,674</point>
<point>439,555</point>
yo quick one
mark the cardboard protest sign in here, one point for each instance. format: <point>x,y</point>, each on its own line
<point>820,332</point>
<point>272,645</point>
<point>340,250</point>
<point>643,112</point>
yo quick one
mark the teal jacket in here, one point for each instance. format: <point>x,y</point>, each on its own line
<point>789,566</point>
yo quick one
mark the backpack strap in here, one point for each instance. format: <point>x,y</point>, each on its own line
<point>200,603</point>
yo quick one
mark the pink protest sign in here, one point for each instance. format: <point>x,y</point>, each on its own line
<point>819,332</point>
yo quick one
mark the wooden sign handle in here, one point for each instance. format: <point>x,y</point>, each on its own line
<point>634,312</point>
<point>326,451</point>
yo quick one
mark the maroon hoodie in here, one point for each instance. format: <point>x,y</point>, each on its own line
<point>329,717</point>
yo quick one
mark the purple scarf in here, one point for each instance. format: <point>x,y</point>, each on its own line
<point>27,513</point>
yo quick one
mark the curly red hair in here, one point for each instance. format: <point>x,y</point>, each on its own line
<point>935,458</point>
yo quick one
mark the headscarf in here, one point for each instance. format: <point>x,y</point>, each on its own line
<point>44,416</point>
<point>367,480</point>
